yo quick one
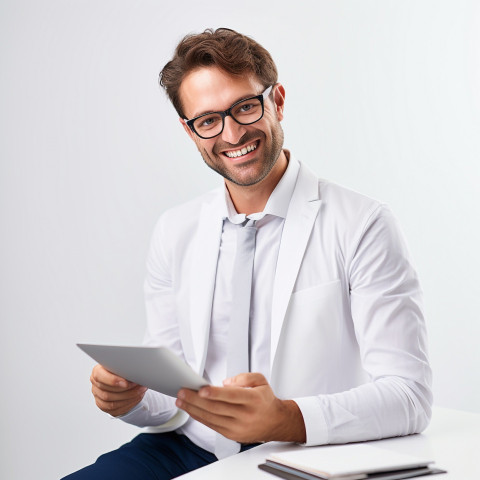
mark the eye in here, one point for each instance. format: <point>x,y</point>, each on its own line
<point>246,107</point>
<point>207,122</point>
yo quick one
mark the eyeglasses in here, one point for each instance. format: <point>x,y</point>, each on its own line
<point>244,112</point>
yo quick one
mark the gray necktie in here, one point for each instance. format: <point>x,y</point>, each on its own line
<point>238,347</point>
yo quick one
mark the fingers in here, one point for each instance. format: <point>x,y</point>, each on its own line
<point>188,399</point>
<point>229,402</point>
<point>114,394</point>
<point>246,380</point>
<point>108,381</point>
<point>219,416</point>
<point>118,403</point>
<point>231,395</point>
<point>243,389</point>
<point>241,418</point>
<point>215,422</point>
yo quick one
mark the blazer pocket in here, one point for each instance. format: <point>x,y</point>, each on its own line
<point>310,336</point>
<point>319,289</point>
<point>315,311</point>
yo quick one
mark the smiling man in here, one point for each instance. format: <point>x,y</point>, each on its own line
<point>243,153</point>
<point>296,298</point>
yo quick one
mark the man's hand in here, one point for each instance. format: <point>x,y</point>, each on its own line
<point>246,410</point>
<point>114,394</point>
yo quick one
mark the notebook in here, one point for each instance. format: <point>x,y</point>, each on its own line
<point>347,462</point>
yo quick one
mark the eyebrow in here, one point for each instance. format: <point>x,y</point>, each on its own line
<point>214,111</point>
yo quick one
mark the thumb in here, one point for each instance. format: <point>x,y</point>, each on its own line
<point>246,380</point>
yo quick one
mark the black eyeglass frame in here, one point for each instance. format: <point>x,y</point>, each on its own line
<point>228,113</point>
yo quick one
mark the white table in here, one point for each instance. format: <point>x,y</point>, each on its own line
<point>452,440</point>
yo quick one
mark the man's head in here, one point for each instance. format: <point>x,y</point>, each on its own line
<point>232,52</point>
<point>225,72</point>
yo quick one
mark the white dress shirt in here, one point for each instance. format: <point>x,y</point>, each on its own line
<point>269,232</point>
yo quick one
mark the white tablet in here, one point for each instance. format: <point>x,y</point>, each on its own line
<point>154,367</point>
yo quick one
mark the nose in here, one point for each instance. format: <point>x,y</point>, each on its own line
<point>232,131</point>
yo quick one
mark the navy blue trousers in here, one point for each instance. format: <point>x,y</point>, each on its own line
<point>149,456</point>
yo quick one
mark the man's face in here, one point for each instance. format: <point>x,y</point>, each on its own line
<point>210,89</point>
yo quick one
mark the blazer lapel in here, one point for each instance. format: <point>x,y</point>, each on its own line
<point>301,215</point>
<point>202,284</point>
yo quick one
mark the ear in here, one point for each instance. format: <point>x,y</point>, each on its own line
<point>187,128</point>
<point>279,99</point>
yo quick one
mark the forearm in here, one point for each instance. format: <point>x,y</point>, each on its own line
<point>155,409</point>
<point>386,408</point>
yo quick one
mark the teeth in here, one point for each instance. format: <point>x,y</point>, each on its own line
<point>243,151</point>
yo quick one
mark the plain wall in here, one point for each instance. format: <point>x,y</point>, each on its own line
<point>382,97</point>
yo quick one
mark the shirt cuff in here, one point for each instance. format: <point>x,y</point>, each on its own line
<point>314,418</point>
<point>133,415</point>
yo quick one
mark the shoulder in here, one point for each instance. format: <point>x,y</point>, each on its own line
<point>354,215</point>
<point>347,205</point>
<point>192,208</point>
<point>181,221</point>
<point>339,203</point>
<point>346,215</point>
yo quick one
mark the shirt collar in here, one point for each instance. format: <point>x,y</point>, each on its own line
<point>278,201</point>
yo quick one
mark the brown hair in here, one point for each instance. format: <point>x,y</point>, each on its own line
<point>234,53</point>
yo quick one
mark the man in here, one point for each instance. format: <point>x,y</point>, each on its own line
<point>332,334</point>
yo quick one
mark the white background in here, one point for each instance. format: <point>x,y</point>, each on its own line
<point>382,96</point>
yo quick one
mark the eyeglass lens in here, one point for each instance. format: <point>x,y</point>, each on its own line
<point>248,111</point>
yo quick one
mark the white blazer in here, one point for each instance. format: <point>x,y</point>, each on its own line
<point>348,340</point>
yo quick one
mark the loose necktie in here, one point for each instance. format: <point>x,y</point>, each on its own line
<point>238,345</point>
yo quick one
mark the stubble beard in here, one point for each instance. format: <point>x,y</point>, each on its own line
<point>271,155</point>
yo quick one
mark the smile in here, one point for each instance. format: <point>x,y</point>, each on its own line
<point>242,151</point>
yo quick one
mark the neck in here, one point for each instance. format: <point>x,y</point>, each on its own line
<point>252,199</point>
